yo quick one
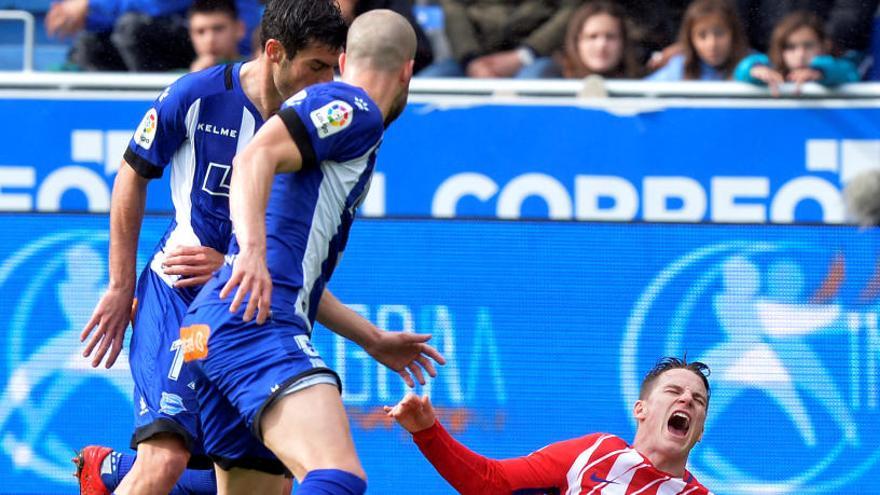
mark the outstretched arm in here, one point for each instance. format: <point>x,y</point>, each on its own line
<point>405,353</point>
<point>271,151</point>
<point>471,473</point>
<point>113,313</point>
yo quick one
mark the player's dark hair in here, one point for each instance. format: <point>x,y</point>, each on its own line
<point>298,24</point>
<point>214,6</point>
<point>671,363</point>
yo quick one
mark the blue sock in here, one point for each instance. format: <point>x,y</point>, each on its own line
<point>115,466</point>
<point>193,482</point>
<point>331,482</point>
<point>196,482</point>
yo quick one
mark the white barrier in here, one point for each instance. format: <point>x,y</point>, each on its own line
<point>550,88</point>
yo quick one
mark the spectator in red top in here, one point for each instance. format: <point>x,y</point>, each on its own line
<point>670,412</point>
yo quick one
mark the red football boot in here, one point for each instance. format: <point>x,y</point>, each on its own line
<point>88,470</point>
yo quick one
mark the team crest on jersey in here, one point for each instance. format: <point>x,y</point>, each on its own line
<point>146,132</point>
<point>332,118</point>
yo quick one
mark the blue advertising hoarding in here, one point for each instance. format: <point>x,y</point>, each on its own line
<point>547,327</point>
<point>612,160</point>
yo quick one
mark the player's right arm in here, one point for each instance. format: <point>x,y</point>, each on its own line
<point>159,135</point>
<point>113,312</point>
<point>471,473</point>
<point>271,151</point>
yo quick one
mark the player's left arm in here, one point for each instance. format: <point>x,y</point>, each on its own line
<point>272,151</point>
<point>405,353</point>
<point>473,474</point>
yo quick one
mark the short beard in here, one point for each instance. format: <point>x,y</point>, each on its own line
<point>397,107</point>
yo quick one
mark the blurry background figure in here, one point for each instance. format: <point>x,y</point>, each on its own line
<point>215,31</point>
<point>502,38</point>
<point>799,53</point>
<point>862,198</point>
<point>152,36</point>
<point>354,8</point>
<point>712,41</point>
<point>133,35</point>
<point>597,42</point>
<point>848,22</point>
<point>654,27</point>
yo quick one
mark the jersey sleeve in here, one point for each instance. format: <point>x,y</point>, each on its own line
<point>472,474</point>
<point>160,133</point>
<point>331,126</point>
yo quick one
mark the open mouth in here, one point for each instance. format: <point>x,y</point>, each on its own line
<point>679,424</point>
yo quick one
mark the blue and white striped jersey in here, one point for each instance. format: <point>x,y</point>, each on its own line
<point>195,127</point>
<point>338,130</point>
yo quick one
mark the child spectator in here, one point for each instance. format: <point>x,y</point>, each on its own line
<point>713,41</point>
<point>848,23</point>
<point>799,53</point>
<point>597,42</point>
<point>215,31</point>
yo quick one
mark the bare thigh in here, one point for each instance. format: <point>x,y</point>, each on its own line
<point>238,481</point>
<point>309,430</point>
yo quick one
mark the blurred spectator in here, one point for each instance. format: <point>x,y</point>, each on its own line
<point>133,35</point>
<point>848,22</point>
<point>215,31</point>
<point>354,8</point>
<point>502,38</point>
<point>654,24</point>
<point>124,35</point>
<point>799,53</point>
<point>597,42</point>
<point>712,41</point>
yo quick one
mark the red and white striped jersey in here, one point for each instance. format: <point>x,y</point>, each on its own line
<point>597,464</point>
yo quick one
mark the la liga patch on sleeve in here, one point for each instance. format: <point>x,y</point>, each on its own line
<point>332,118</point>
<point>146,132</point>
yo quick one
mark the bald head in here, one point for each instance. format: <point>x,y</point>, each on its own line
<point>380,40</point>
<point>862,198</point>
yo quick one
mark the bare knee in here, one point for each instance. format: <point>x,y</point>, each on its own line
<point>162,458</point>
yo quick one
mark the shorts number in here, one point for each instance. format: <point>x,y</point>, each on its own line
<point>177,364</point>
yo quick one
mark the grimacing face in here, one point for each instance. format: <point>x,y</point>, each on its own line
<point>673,414</point>
<point>311,65</point>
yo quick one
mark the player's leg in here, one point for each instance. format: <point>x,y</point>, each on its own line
<point>245,481</point>
<point>242,464</point>
<point>100,470</point>
<point>309,431</point>
<point>166,410</point>
<point>161,460</point>
<point>273,369</point>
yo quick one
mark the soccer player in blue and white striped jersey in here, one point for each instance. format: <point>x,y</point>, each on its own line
<point>194,128</point>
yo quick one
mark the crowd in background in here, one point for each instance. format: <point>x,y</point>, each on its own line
<point>765,42</point>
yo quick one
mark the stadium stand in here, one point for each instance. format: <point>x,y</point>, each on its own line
<point>48,53</point>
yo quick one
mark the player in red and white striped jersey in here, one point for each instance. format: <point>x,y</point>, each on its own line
<point>670,413</point>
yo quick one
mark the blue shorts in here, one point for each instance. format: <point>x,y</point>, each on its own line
<point>245,368</point>
<point>164,386</point>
